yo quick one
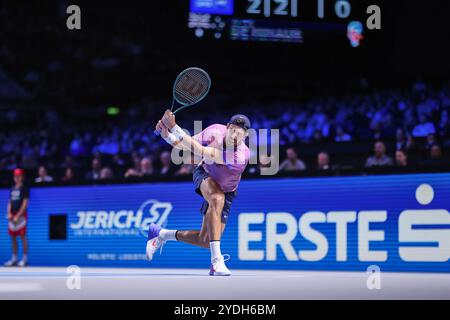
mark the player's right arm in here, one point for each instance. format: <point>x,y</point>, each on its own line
<point>181,140</point>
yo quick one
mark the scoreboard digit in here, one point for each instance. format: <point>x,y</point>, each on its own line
<point>269,8</point>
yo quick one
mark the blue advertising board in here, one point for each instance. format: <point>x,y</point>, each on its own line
<point>397,222</point>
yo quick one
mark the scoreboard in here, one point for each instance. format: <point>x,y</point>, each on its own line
<point>291,21</point>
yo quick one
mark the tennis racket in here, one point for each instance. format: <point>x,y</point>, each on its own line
<point>190,87</point>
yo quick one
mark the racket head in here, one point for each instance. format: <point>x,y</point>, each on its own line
<point>190,87</point>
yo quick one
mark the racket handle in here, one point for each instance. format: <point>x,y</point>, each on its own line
<point>157,133</point>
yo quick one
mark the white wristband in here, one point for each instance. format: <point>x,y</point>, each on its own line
<point>171,139</point>
<point>178,132</point>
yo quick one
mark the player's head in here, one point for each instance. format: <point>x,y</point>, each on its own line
<point>237,129</point>
<point>18,175</point>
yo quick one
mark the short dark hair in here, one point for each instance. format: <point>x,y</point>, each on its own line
<point>241,121</point>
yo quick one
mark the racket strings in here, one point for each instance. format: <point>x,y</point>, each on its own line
<point>196,78</point>
<point>192,86</point>
<point>188,94</point>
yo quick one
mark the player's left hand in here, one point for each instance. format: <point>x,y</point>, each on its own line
<point>162,129</point>
<point>15,219</point>
<point>168,119</point>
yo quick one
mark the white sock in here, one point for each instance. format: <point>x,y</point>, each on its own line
<point>168,234</point>
<point>24,258</point>
<point>215,250</point>
<point>14,257</point>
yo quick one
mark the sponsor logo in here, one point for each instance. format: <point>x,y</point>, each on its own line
<point>355,33</point>
<point>122,222</point>
<point>423,234</point>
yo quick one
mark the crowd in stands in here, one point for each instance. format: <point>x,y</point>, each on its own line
<point>402,127</point>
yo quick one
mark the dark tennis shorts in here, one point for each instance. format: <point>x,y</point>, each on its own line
<point>199,175</point>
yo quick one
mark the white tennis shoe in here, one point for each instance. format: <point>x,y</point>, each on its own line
<point>218,267</point>
<point>11,263</point>
<point>22,263</point>
<point>154,241</point>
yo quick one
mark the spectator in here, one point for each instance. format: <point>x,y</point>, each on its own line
<point>323,161</point>
<point>76,146</point>
<point>401,158</point>
<point>342,136</point>
<point>388,126</point>
<point>264,162</point>
<point>43,176</point>
<point>188,165</point>
<point>424,128</point>
<point>435,158</point>
<point>106,174</point>
<point>444,124</point>
<point>431,141</point>
<point>166,163</point>
<point>94,174</point>
<point>318,125</point>
<point>292,163</point>
<point>68,163</point>
<point>317,137</point>
<point>108,146</point>
<point>400,140</point>
<point>379,158</point>
<point>68,175</point>
<point>132,172</point>
<point>145,169</point>
<point>11,163</point>
<point>376,131</point>
<point>118,161</point>
<point>185,169</point>
<point>410,142</point>
<point>136,159</point>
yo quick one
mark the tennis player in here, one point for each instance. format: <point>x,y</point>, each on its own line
<point>224,156</point>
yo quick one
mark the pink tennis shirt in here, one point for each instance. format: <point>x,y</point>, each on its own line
<point>227,175</point>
